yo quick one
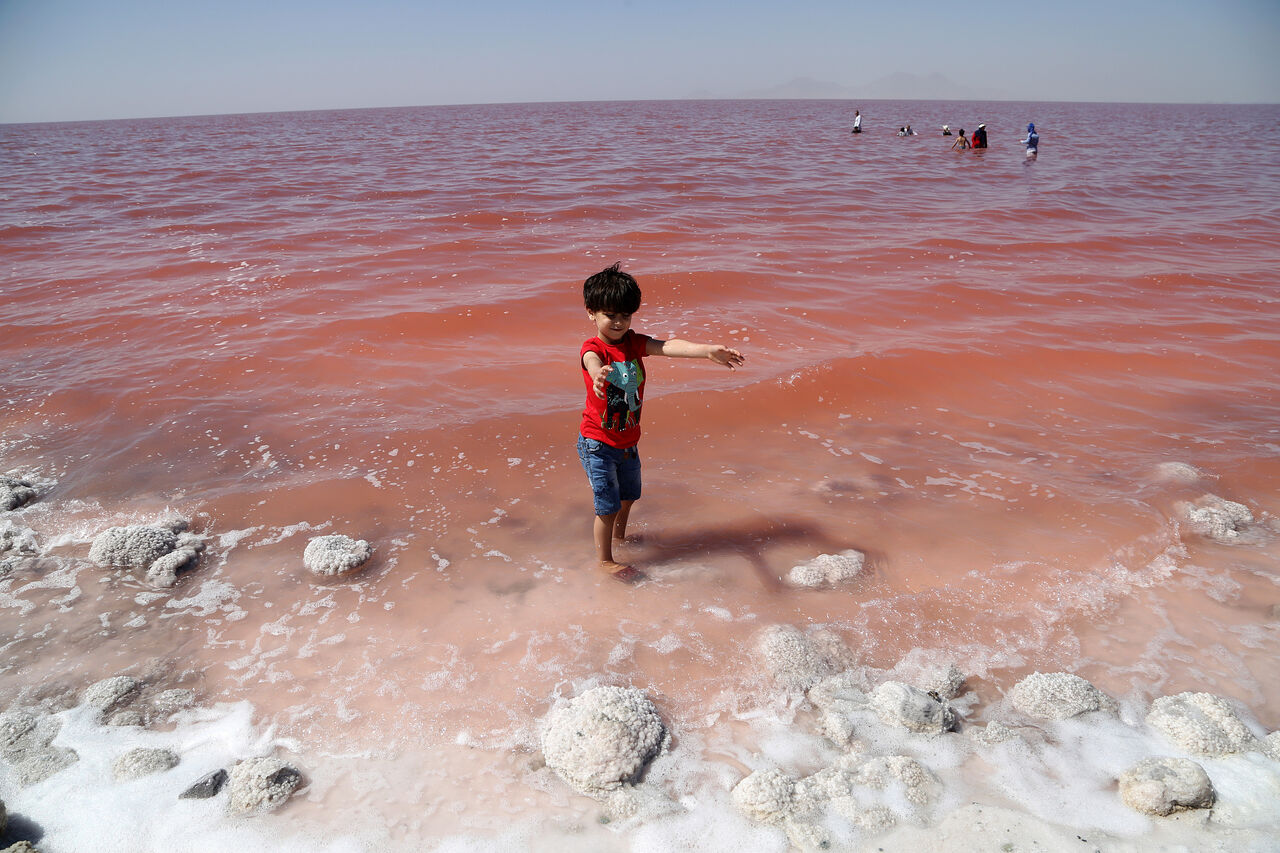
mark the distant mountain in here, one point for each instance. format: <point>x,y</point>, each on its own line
<point>903,86</point>
<point>899,86</point>
<point>802,87</point>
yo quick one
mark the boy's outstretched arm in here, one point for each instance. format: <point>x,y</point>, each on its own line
<point>598,371</point>
<point>677,348</point>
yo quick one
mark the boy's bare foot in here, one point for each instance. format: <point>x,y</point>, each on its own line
<point>618,571</point>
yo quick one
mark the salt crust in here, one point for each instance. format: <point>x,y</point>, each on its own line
<point>1217,518</point>
<point>26,746</point>
<point>1177,472</point>
<point>1162,786</point>
<point>26,738</point>
<point>798,660</point>
<point>1057,696</point>
<point>160,549</point>
<point>25,731</point>
<point>1271,746</point>
<point>174,700</point>
<point>839,699</point>
<point>20,540</point>
<point>827,569</point>
<point>260,784</point>
<point>15,492</point>
<point>335,554</point>
<point>603,738</point>
<point>128,717</point>
<point>992,733</point>
<point>108,693</point>
<point>136,546</point>
<point>911,708</point>
<point>931,672</point>
<point>143,761</point>
<point>1200,723</point>
<point>767,796</point>
<point>800,806</point>
<point>980,828</point>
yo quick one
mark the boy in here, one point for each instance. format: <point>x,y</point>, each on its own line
<point>613,371</point>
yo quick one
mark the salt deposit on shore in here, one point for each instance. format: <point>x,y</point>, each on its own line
<point>873,758</point>
<point>1065,749</point>
<point>336,554</point>
<point>161,550</point>
<point>139,779</point>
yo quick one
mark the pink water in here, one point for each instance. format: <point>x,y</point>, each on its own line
<point>966,365</point>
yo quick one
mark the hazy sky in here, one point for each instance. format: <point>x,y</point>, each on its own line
<point>87,59</point>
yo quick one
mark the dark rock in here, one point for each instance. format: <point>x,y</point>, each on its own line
<point>207,786</point>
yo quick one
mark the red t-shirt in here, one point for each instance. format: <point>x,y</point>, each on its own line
<point>615,420</point>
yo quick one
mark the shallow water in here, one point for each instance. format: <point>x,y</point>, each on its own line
<point>967,365</point>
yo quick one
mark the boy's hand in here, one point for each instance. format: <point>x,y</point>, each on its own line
<point>730,358</point>
<point>601,380</point>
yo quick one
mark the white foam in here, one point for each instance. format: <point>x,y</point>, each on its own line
<point>85,808</point>
<point>212,596</point>
<point>1070,778</point>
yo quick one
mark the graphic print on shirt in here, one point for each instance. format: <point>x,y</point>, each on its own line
<point>622,396</point>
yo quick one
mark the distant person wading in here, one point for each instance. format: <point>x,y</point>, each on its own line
<point>1032,141</point>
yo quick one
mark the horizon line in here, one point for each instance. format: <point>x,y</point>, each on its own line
<point>639,101</point>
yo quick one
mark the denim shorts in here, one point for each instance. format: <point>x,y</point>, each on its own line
<point>614,473</point>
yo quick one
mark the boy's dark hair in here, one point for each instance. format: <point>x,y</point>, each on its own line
<point>611,290</point>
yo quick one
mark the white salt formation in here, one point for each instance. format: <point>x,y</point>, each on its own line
<point>143,761</point>
<point>827,569</point>
<point>1200,723</point>
<point>109,693</point>
<point>1057,696</point>
<point>603,739</point>
<point>335,554</point>
<point>773,798</point>
<point>840,699</point>
<point>917,785</point>
<point>26,745</point>
<point>16,542</point>
<point>176,699</point>
<point>1271,746</point>
<point>159,549</point>
<point>128,717</point>
<point>798,660</point>
<point>992,733</point>
<point>839,790</point>
<point>1162,786</point>
<point>639,803</point>
<point>930,675</point>
<point>260,785</point>
<point>856,790</point>
<point>14,492</point>
<point>910,708</point>
<point>766,796</point>
<point>1177,472</point>
<point>1217,518</point>
<point>20,540</point>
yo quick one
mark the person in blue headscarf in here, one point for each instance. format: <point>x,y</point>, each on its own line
<point>1032,141</point>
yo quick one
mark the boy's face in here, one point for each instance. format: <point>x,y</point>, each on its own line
<point>610,325</point>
